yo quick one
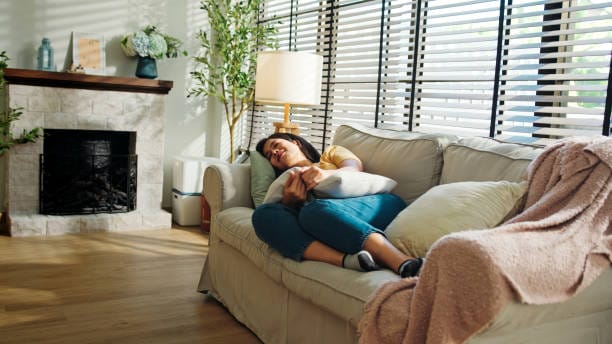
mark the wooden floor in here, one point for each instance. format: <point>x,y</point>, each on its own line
<point>129,287</point>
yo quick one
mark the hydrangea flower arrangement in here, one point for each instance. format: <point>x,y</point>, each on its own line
<point>150,42</point>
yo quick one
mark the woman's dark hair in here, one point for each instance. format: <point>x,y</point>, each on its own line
<point>306,147</point>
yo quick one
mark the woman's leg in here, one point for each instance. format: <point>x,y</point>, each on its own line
<point>320,252</point>
<point>384,252</point>
<point>277,225</point>
<point>347,224</point>
<point>352,224</point>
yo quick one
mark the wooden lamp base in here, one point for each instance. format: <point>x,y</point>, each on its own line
<point>282,127</point>
<point>285,126</point>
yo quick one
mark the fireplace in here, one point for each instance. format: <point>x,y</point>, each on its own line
<point>82,176</point>
<point>87,172</point>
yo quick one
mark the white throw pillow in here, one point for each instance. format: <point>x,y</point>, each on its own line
<point>342,184</point>
<point>453,207</point>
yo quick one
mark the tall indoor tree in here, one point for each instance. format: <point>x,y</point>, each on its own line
<point>226,68</point>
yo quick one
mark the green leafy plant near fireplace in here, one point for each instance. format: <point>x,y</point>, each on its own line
<point>7,116</point>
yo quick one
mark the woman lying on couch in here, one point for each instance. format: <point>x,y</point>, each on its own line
<point>345,232</point>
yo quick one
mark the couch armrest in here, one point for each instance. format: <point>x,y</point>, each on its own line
<point>227,186</point>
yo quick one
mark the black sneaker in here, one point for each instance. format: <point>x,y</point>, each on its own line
<point>411,267</point>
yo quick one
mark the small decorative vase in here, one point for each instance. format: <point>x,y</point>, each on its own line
<point>146,68</point>
<point>45,56</point>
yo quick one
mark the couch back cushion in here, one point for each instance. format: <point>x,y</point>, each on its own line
<point>485,159</point>
<point>413,160</point>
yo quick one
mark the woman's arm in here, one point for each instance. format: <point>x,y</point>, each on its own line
<point>313,175</point>
<point>351,165</point>
<point>294,191</point>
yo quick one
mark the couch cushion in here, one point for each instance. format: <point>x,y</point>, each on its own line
<point>413,160</point>
<point>338,290</point>
<point>453,207</point>
<point>485,159</point>
<point>233,226</point>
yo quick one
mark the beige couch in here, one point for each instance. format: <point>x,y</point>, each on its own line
<point>283,301</point>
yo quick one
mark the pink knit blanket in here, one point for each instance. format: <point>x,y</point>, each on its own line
<point>555,248</point>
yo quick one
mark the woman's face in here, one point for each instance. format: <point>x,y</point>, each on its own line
<point>283,154</point>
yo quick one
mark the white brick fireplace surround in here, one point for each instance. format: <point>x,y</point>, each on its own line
<point>87,102</point>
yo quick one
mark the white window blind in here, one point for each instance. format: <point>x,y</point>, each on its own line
<point>556,69</point>
<point>366,49</point>
<point>518,70</point>
<point>372,63</point>
<point>456,66</point>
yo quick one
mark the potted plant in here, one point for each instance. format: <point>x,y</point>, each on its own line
<point>226,68</point>
<point>150,44</point>
<point>7,116</point>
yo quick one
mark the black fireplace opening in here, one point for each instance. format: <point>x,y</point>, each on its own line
<point>87,172</point>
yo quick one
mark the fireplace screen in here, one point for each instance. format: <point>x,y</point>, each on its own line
<point>87,172</point>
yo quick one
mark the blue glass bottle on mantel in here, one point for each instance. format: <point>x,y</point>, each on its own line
<point>45,56</point>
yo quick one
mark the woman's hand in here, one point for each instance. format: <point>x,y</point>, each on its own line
<point>313,175</point>
<point>294,191</point>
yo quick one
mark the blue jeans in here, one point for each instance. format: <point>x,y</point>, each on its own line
<point>343,224</point>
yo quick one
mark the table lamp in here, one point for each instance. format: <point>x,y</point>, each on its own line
<point>289,78</point>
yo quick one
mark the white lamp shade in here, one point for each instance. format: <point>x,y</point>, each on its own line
<point>288,77</point>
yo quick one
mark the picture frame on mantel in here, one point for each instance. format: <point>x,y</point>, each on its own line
<point>86,54</point>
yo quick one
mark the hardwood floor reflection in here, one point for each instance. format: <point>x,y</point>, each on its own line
<point>128,287</point>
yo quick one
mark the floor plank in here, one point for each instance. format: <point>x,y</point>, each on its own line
<point>128,287</point>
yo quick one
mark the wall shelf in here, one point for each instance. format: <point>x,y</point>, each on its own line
<point>86,81</point>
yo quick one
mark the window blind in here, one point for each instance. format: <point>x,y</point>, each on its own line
<point>456,67</point>
<point>556,70</point>
<point>371,80</point>
<point>519,70</point>
<point>367,64</point>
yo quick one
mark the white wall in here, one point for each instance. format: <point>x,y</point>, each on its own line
<point>192,127</point>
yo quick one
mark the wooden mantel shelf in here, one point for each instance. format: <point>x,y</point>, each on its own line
<point>86,81</point>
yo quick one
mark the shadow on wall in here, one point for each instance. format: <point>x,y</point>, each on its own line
<point>200,109</point>
<point>31,20</point>
<point>114,53</point>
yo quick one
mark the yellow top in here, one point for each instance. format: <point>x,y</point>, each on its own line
<point>333,156</point>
